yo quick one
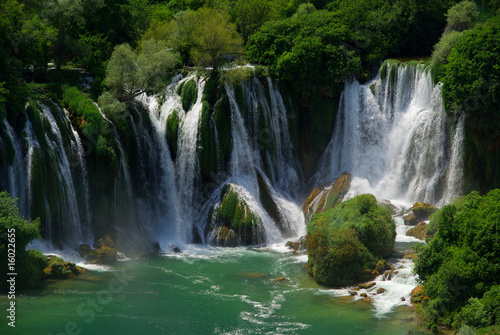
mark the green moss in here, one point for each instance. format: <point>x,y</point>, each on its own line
<point>235,214</point>
<point>211,87</point>
<point>57,268</point>
<point>208,156</point>
<point>188,94</point>
<point>222,118</point>
<point>438,71</point>
<point>173,121</point>
<point>346,243</point>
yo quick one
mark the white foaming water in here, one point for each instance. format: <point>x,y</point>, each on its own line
<point>187,163</point>
<point>392,133</point>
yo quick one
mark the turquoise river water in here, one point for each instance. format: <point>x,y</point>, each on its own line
<point>202,291</point>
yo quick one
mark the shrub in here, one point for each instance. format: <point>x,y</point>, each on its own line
<point>443,48</point>
<point>461,16</point>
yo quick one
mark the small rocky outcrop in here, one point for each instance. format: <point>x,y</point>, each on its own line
<point>419,212</point>
<point>418,294</point>
<point>326,197</point>
<point>233,222</point>
<point>57,268</point>
<point>410,219</point>
<point>348,244</point>
<point>423,211</point>
<point>104,252</point>
<point>420,231</point>
<point>297,245</point>
<point>387,204</point>
<point>225,237</point>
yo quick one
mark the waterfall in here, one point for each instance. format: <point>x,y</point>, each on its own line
<point>167,218</point>
<point>188,165</point>
<point>69,204</point>
<point>16,174</point>
<point>456,166</point>
<point>391,135</point>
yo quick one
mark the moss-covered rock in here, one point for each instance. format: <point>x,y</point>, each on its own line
<point>57,268</point>
<point>188,91</point>
<point>173,121</point>
<point>104,252</point>
<point>235,214</point>
<point>222,118</point>
<point>420,231</point>
<point>418,294</point>
<point>346,244</point>
<point>423,211</point>
<point>326,197</point>
<point>225,237</point>
<point>209,156</point>
<point>410,219</point>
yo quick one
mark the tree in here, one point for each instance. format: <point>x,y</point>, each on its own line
<point>250,15</point>
<point>131,73</point>
<point>461,16</point>
<point>443,48</point>
<point>214,36</point>
<point>472,83</point>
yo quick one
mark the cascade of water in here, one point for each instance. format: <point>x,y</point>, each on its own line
<point>456,166</point>
<point>124,170</point>
<point>80,155</point>
<point>16,174</point>
<point>244,173</point>
<point>288,178</point>
<point>68,203</point>
<point>188,165</point>
<point>391,135</point>
<point>168,223</point>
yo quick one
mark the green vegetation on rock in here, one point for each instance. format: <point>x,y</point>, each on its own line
<point>348,244</point>
<point>235,214</point>
<point>189,92</point>
<point>173,121</point>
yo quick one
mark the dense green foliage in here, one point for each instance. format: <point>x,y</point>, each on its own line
<point>347,243</point>
<point>462,16</point>
<point>471,84</point>
<point>460,267</point>
<point>350,38</point>
<point>15,234</point>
